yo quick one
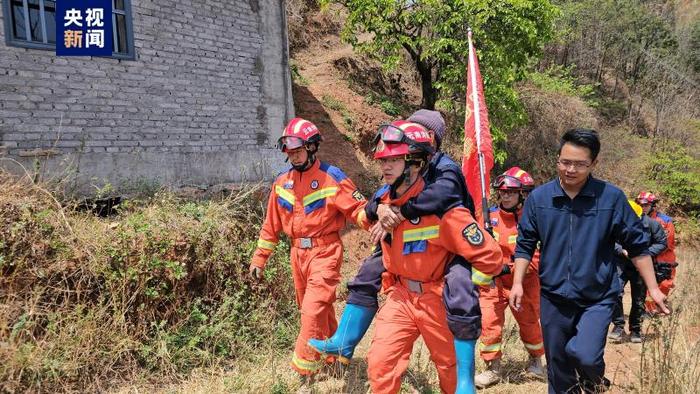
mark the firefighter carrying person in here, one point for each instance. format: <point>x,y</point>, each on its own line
<point>309,202</point>
<point>628,273</point>
<point>666,263</point>
<point>512,188</point>
<point>415,255</point>
<point>444,189</point>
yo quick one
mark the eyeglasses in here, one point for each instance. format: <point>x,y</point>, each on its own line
<point>508,191</point>
<point>394,135</point>
<point>577,165</point>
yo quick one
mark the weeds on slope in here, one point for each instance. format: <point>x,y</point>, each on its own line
<point>161,288</point>
<point>669,361</point>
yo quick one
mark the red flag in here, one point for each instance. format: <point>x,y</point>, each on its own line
<point>478,146</point>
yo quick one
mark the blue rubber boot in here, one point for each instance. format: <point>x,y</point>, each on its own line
<point>465,366</point>
<point>352,327</point>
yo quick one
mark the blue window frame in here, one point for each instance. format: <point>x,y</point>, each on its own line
<point>32,24</point>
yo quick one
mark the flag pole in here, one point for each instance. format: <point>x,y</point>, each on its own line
<point>477,127</point>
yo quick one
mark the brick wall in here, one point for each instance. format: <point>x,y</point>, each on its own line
<point>202,102</point>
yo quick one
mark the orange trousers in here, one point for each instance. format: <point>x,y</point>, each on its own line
<point>665,286</point>
<point>494,301</point>
<point>404,316</point>
<point>316,274</point>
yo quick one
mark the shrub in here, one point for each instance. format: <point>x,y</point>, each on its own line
<point>676,175</point>
<point>390,108</point>
<point>559,79</point>
<point>296,75</point>
<point>163,287</point>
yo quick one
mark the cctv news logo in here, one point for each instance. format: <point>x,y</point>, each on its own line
<point>84,28</point>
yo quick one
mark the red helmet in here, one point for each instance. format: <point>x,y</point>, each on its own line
<point>298,133</point>
<point>646,198</point>
<point>514,179</point>
<point>402,138</point>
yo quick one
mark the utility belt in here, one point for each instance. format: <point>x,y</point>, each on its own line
<point>419,287</point>
<point>664,270</point>
<point>312,242</point>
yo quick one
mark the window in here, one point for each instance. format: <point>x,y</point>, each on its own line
<point>32,24</point>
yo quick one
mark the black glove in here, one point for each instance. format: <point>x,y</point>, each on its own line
<point>663,271</point>
<point>505,270</point>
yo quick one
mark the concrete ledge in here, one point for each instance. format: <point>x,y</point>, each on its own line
<point>87,172</point>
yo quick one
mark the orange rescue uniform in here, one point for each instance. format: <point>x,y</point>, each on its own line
<point>415,257</point>
<point>494,299</point>
<point>311,207</point>
<point>667,256</point>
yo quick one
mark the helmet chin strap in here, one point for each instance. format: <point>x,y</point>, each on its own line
<point>405,175</point>
<point>512,209</point>
<point>310,159</point>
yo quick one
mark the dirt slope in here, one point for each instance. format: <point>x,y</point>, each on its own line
<point>341,144</point>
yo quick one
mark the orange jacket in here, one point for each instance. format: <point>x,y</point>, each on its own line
<point>669,254</point>
<point>505,230</point>
<point>419,249</point>
<point>309,204</point>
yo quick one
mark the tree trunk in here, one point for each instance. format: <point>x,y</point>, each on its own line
<point>599,72</point>
<point>426,79</point>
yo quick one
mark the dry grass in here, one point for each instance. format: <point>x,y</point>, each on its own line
<point>669,362</point>
<point>158,290</point>
<point>668,356</point>
<point>534,146</point>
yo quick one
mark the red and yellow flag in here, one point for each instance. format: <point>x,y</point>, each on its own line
<point>478,146</point>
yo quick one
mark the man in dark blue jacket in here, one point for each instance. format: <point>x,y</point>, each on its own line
<point>577,219</point>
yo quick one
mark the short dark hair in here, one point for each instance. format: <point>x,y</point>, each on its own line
<point>585,138</point>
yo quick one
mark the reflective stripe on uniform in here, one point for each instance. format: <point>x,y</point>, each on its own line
<point>361,217</point>
<point>480,278</point>
<point>420,234</point>
<point>495,235</point>
<point>285,195</point>
<point>263,244</point>
<point>306,365</point>
<point>496,347</point>
<point>512,239</point>
<point>537,346</point>
<point>320,194</point>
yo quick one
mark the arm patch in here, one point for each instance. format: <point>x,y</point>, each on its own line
<point>473,234</point>
<point>358,196</point>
